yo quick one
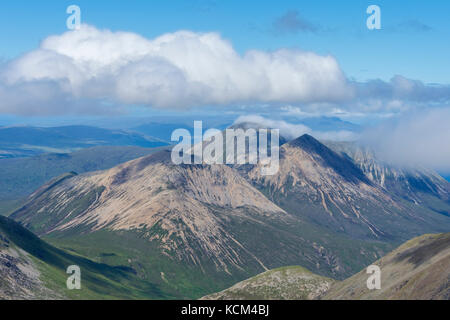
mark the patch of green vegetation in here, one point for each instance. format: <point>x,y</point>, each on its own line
<point>99,280</point>
<point>275,243</point>
<point>132,249</point>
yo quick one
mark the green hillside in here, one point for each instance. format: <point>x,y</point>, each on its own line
<point>99,280</point>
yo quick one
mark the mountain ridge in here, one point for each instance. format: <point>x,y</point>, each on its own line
<point>416,185</point>
<point>328,189</point>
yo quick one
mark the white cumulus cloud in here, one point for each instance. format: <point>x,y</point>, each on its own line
<point>179,69</point>
<point>96,71</point>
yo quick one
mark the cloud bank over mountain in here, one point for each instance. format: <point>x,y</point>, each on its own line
<point>420,139</point>
<point>98,71</point>
<point>294,130</point>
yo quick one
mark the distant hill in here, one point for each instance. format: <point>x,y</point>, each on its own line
<point>164,131</point>
<point>28,141</point>
<point>161,131</point>
<point>330,124</point>
<point>288,283</point>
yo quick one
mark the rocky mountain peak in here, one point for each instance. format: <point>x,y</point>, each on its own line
<point>327,157</point>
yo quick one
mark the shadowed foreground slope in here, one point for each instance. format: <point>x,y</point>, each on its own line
<point>32,269</point>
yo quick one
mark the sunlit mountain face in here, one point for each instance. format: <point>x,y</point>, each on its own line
<point>216,149</point>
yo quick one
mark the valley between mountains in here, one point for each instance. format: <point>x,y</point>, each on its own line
<point>150,229</point>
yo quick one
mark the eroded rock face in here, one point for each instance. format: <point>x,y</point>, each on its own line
<point>20,278</point>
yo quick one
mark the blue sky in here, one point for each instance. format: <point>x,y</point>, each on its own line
<point>413,41</point>
<point>277,59</point>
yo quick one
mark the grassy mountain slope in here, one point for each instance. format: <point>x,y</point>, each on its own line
<point>419,270</point>
<point>33,269</point>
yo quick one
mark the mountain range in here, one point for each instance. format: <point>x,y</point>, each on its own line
<point>208,219</point>
<point>226,223</point>
<point>197,229</point>
<point>332,190</point>
<point>26,141</point>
